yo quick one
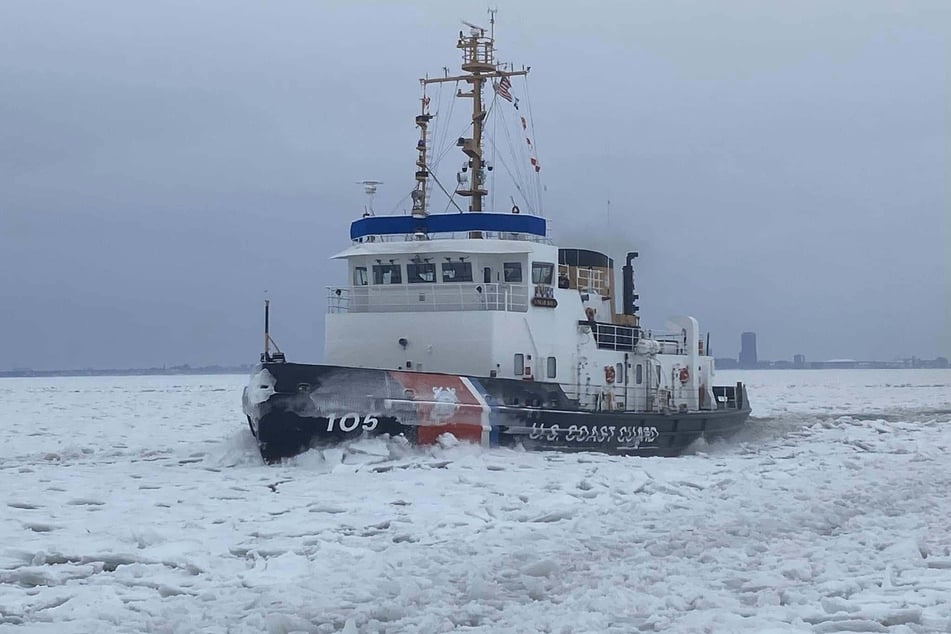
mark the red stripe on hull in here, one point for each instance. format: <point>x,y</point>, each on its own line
<point>444,405</point>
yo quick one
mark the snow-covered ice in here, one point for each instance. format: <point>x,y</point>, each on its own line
<point>139,504</point>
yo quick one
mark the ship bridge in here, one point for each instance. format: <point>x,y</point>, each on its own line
<point>442,275</point>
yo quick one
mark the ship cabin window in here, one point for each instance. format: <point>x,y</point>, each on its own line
<point>421,273</point>
<point>658,375</point>
<point>519,364</point>
<point>487,275</point>
<point>639,374</point>
<point>457,271</point>
<point>387,274</point>
<point>360,276</point>
<point>512,272</point>
<point>542,273</point>
<point>552,367</point>
<point>620,374</point>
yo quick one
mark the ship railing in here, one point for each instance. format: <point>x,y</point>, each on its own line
<point>617,337</point>
<point>591,280</point>
<point>586,279</point>
<point>725,396</point>
<point>611,336</point>
<point>402,298</point>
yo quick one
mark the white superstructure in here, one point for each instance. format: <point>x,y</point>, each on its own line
<point>507,308</point>
<point>487,295</point>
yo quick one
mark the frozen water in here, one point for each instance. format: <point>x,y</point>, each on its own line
<point>139,504</point>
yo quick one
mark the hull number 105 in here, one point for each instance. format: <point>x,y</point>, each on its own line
<point>350,422</point>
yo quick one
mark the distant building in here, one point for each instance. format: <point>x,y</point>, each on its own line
<point>915,362</point>
<point>799,361</point>
<point>748,350</point>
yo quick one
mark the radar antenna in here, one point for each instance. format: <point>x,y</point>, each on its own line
<point>369,188</point>
<point>474,29</point>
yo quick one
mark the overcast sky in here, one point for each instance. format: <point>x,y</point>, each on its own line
<point>781,167</point>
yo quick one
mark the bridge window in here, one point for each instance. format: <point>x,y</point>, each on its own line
<point>519,364</point>
<point>552,367</point>
<point>387,274</point>
<point>512,272</point>
<point>360,276</point>
<point>457,271</point>
<point>421,273</point>
<point>542,273</point>
<point>639,374</point>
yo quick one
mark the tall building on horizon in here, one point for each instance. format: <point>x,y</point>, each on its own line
<point>748,350</point>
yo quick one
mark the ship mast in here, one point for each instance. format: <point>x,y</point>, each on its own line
<point>422,172</point>
<point>479,66</point>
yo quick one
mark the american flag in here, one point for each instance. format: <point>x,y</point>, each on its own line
<point>502,88</point>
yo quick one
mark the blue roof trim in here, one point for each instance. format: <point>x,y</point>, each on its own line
<point>447,223</point>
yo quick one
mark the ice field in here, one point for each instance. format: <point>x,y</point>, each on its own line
<point>140,504</point>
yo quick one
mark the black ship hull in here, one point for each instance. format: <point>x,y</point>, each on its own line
<point>293,407</point>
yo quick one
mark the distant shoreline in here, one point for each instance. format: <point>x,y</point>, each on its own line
<point>938,363</point>
<point>177,370</point>
<point>246,369</point>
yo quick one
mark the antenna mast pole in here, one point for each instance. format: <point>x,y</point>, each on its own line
<point>422,171</point>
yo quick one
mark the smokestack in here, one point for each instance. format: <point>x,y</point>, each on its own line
<point>628,297</point>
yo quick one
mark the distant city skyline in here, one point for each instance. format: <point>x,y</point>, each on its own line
<point>747,359</point>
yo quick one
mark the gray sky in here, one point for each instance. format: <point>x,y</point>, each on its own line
<point>781,167</point>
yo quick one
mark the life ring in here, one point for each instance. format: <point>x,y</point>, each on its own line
<point>515,209</point>
<point>684,375</point>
